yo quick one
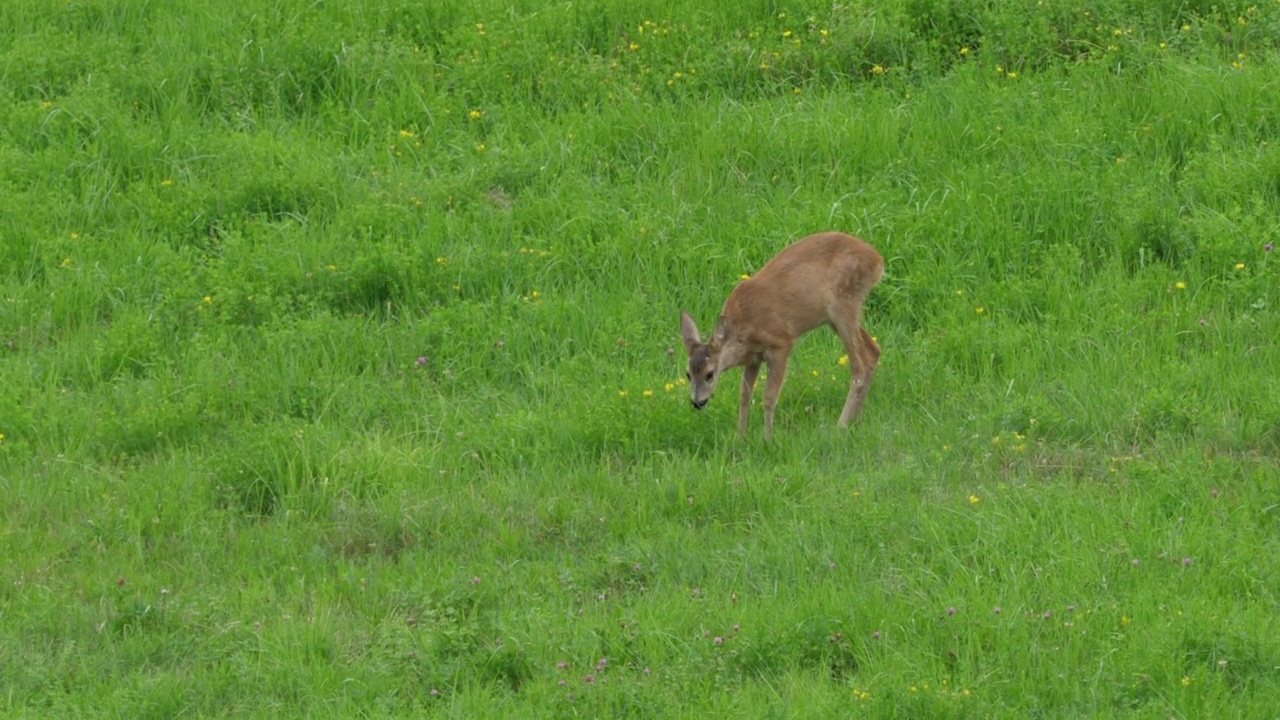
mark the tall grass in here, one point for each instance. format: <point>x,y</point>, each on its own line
<point>339,370</point>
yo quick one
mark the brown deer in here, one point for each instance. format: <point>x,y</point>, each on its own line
<point>820,280</point>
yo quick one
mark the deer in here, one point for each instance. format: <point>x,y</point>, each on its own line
<point>822,279</point>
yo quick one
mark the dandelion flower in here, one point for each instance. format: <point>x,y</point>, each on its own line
<point>669,387</point>
<point>980,310</point>
<point>475,114</point>
<point>964,50</point>
<point>877,69</point>
<point>648,393</point>
<point>1180,285</point>
<point>622,393</point>
<point>1186,681</point>
<point>1239,266</point>
<point>974,499</point>
<point>406,134</point>
<point>844,360</point>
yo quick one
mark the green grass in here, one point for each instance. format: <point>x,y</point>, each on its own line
<point>339,360</point>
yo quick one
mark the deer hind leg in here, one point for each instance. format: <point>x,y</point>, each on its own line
<point>864,356</point>
<point>749,374</point>
<point>777,361</point>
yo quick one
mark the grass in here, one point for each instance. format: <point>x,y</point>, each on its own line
<point>339,360</point>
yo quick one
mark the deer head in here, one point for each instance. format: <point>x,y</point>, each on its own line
<point>704,358</point>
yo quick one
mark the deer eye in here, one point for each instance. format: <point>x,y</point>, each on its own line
<point>710,375</point>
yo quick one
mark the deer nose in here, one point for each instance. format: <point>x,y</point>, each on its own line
<point>699,404</point>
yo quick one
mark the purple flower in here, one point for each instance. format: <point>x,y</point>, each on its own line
<point>997,610</point>
<point>1186,561</point>
<point>719,640</point>
<point>562,665</point>
<point>736,627</point>
<point>1136,562</point>
<point>875,635</point>
<point>1267,247</point>
<point>422,360</point>
<point>589,679</point>
<point>951,610</point>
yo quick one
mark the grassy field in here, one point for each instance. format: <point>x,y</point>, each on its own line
<point>340,372</point>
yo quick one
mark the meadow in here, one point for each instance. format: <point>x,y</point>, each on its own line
<point>340,372</point>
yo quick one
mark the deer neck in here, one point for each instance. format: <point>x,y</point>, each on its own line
<point>733,353</point>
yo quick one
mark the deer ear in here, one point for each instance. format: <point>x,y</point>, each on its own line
<point>689,332</point>
<point>721,333</point>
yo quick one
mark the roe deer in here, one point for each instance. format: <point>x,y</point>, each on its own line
<point>822,279</point>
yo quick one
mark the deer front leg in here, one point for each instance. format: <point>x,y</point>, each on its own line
<point>749,374</point>
<point>773,387</point>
